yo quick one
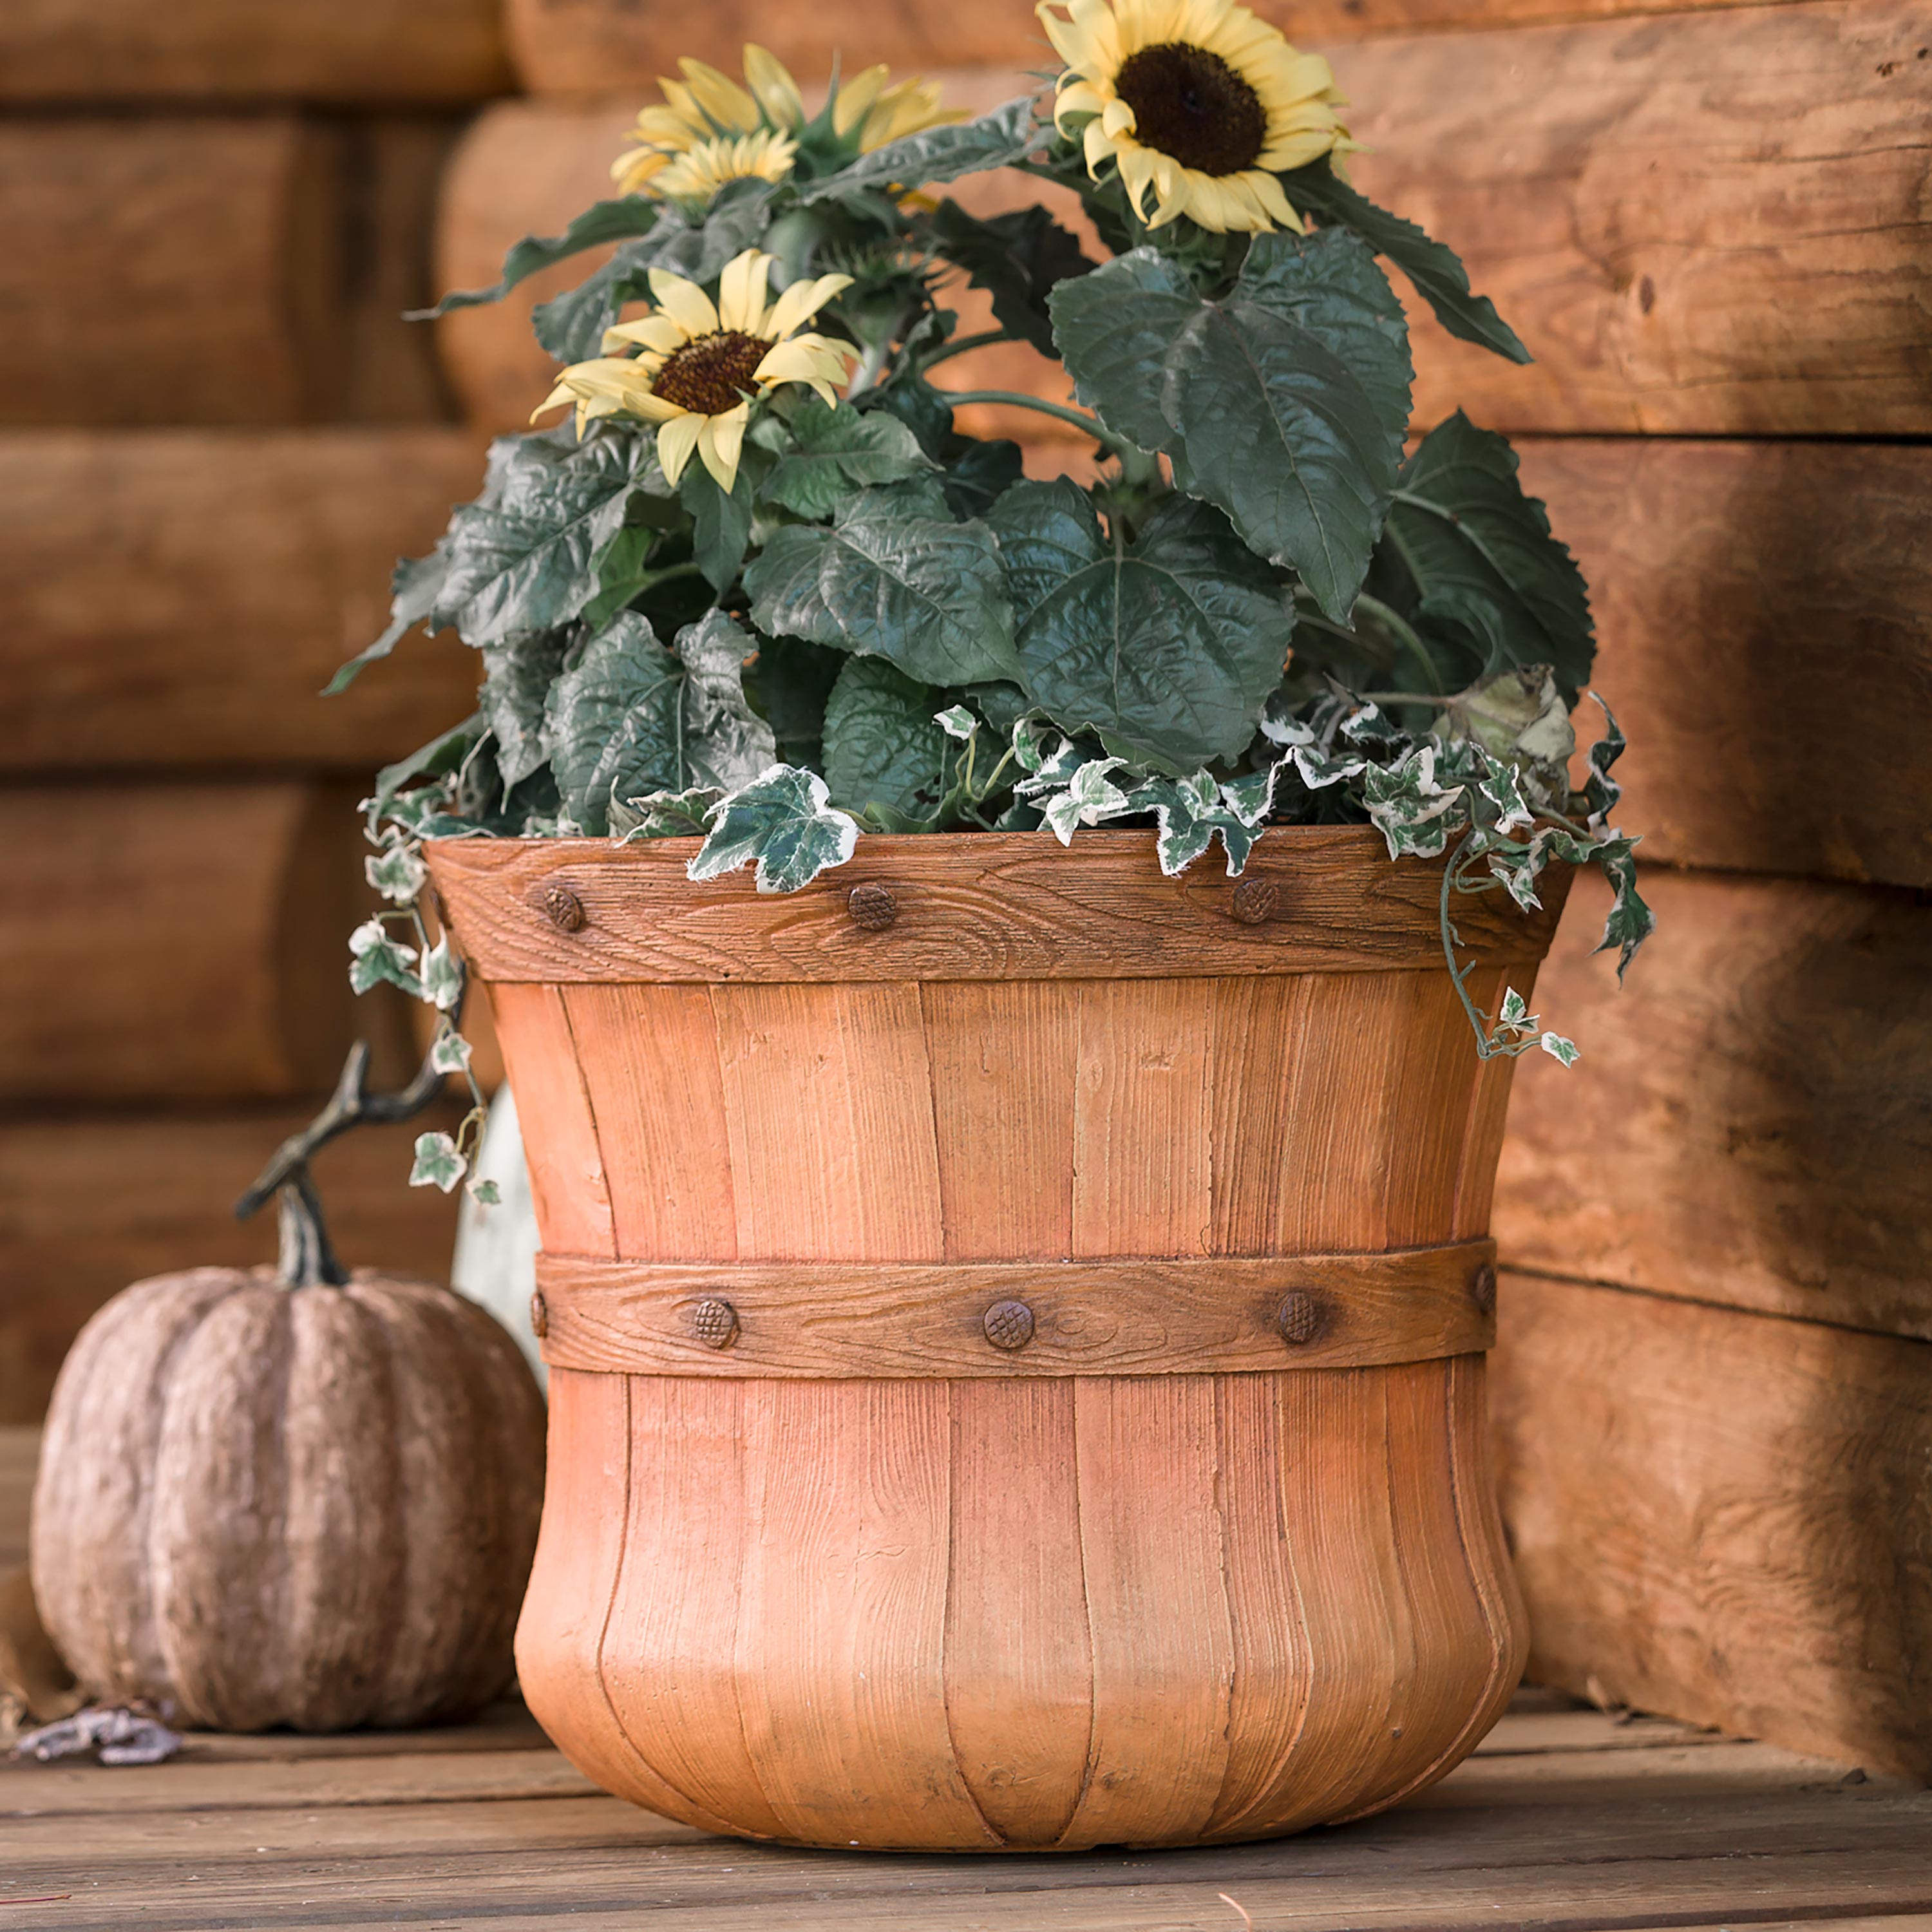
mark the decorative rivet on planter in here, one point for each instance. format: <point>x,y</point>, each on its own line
<point>1254,901</point>
<point>872,905</point>
<point>1300,1318</point>
<point>1009,1324</point>
<point>539,1315</point>
<point>563,908</point>
<point>1482,1289</point>
<point>714,1324</point>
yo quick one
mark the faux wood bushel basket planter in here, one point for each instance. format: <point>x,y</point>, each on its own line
<point>1016,1329</point>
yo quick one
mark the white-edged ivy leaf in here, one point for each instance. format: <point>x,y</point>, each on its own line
<point>1330,284</point>
<point>883,746</point>
<point>517,681</point>
<point>375,957</point>
<point>1407,804</point>
<point>442,976</point>
<point>449,1053</point>
<point>943,153</point>
<point>1018,258</point>
<point>956,721</point>
<point>663,815</point>
<point>721,523</point>
<point>785,824</point>
<point>1090,797</point>
<point>1167,649</point>
<point>896,577</point>
<point>1514,1011</point>
<point>1191,813</point>
<point>1438,276</point>
<point>1478,552</point>
<point>617,220</point>
<point>1631,922</point>
<point>1115,329</point>
<point>438,1163</point>
<point>841,449</point>
<point>397,874</point>
<point>1601,791</point>
<point>485,1193</point>
<point>1564,1051</point>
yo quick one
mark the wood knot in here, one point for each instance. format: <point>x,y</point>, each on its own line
<point>872,906</point>
<point>1482,1289</point>
<point>563,907</point>
<point>1300,1318</point>
<point>1009,1324</point>
<point>1254,901</point>
<point>714,1323</point>
<point>539,1315</point>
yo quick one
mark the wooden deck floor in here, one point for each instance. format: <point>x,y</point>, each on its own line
<point>1564,1818</point>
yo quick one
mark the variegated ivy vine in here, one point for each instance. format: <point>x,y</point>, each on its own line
<point>763,590</point>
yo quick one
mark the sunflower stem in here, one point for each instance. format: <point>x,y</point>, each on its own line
<point>985,339</point>
<point>1399,628</point>
<point>1014,399</point>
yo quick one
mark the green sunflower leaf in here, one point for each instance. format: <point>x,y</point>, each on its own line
<point>896,577</point>
<point>1438,274</point>
<point>615,220</point>
<point>1481,564</point>
<point>1018,259</point>
<point>784,822</point>
<point>1167,649</point>
<point>517,678</point>
<point>721,523</point>
<point>883,746</point>
<point>995,140</point>
<point>788,684</point>
<point>841,449</point>
<point>1115,330</point>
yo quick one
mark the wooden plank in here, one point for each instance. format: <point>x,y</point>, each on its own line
<point>971,906</point>
<point>88,1206</point>
<point>357,51</point>
<point>268,258</point>
<point>1641,199</point>
<point>1722,574</point>
<point>1722,1515</point>
<point>20,1456</point>
<point>589,47</point>
<point>262,561</point>
<point>1756,1096</point>
<point>181,941</point>
<point>1184,1316</point>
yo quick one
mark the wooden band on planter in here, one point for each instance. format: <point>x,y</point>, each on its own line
<point>967,906</point>
<point>1194,1315</point>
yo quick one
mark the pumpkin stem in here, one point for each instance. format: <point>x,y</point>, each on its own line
<point>307,1259</point>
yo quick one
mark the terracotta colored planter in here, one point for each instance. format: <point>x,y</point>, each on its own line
<point>1016,1335</point>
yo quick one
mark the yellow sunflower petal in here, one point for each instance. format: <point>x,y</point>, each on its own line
<point>684,302</point>
<point>720,439</point>
<point>1268,191</point>
<point>741,290</point>
<point>804,358</point>
<point>776,92</point>
<point>800,302</point>
<point>657,333</point>
<point>676,439</point>
<point>632,171</point>
<point>721,100</point>
<point>557,397</point>
<point>856,98</point>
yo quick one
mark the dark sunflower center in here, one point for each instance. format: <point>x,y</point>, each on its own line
<point>1193,105</point>
<point>709,375</point>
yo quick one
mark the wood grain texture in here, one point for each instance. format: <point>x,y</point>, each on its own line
<point>1757,1093</point>
<point>260,258</point>
<point>1734,1526</point>
<point>1718,571</point>
<point>360,52</point>
<point>247,567</point>
<point>949,1611</point>
<point>971,906</point>
<point>222,974</point>
<point>1185,1315</point>
<point>310,1507</point>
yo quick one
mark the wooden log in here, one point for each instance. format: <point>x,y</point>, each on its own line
<point>195,269</point>
<point>1744,592</point>
<point>360,52</point>
<point>245,569</point>
<point>1722,1516</point>
<point>88,1205</point>
<point>598,46</point>
<point>1748,1123</point>
<point>183,941</point>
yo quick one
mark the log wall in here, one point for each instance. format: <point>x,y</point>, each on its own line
<point>1708,222</point>
<point>217,436</point>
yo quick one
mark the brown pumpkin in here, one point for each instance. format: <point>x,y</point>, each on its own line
<point>312,1505</point>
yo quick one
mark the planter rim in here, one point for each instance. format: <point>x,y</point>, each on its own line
<point>966,906</point>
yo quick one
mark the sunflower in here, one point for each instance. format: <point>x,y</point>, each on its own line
<point>708,111</point>
<point>699,172</point>
<point>1197,100</point>
<point>698,365</point>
